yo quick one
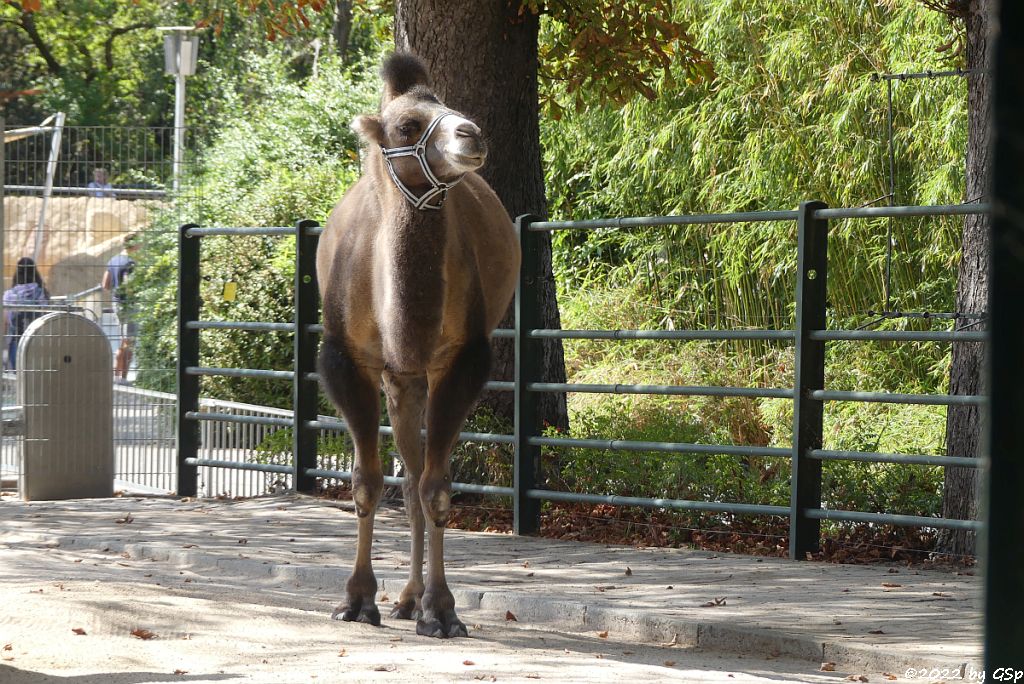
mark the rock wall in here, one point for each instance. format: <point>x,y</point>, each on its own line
<point>79,236</point>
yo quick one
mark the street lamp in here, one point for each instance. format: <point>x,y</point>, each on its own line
<point>181,52</point>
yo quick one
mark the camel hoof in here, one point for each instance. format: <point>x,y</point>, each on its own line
<point>406,611</point>
<point>450,628</point>
<point>369,615</point>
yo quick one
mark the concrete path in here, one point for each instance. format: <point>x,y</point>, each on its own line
<point>222,582</point>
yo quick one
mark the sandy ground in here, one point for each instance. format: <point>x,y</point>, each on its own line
<point>81,631</point>
<point>139,590</point>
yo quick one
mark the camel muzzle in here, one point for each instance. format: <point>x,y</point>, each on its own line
<point>434,197</point>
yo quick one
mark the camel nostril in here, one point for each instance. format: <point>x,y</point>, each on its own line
<point>467,130</point>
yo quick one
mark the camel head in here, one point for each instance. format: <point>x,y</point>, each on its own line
<point>427,147</point>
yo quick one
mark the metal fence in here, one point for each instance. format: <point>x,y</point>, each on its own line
<point>808,393</point>
<point>145,453</point>
<point>72,196</point>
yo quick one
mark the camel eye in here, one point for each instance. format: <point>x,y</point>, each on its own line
<point>409,128</point>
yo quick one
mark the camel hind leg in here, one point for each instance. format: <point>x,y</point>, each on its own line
<point>452,395</point>
<point>407,400</point>
<point>355,391</point>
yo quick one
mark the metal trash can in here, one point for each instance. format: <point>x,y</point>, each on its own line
<point>65,386</point>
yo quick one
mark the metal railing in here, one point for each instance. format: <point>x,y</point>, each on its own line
<point>809,394</point>
<point>145,457</point>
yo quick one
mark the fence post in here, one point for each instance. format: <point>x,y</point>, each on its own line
<point>304,390</point>
<point>188,355</point>
<point>808,413</point>
<point>526,519</point>
<point>1001,549</point>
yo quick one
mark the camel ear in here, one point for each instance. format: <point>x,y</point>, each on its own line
<point>369,128</point>
<point>401,73</point>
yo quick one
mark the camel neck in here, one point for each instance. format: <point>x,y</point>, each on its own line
<point>414,235</point>
<point>414,246</point>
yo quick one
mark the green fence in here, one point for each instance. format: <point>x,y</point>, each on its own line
<point>808,393</point>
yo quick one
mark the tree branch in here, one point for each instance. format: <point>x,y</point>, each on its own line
<point>28,25</point>
<point>89,67</point>
<point>108,44</point>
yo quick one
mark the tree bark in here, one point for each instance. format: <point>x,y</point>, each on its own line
<point>342,27</point>
<point>963,423</point>
<point>483,60</point>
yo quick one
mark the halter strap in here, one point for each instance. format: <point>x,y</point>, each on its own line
<point>438,190</point>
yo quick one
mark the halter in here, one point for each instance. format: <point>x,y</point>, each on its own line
<point>438,190</point>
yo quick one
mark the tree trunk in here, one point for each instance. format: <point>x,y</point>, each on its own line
<point>483,60</point>
<point>342,27</point>
<point>963,423</point>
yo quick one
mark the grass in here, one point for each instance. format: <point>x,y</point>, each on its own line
<point>893,488</point>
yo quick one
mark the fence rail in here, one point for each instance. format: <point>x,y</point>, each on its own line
<point>808,393</point>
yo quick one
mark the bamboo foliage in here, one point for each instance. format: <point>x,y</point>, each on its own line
<point>793,114</point>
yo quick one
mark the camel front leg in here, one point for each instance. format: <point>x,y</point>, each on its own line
<point>407,397</point>
<point>355,391</point>
<point>452,395</point>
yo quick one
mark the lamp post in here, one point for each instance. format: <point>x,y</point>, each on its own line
<point>181,50</point>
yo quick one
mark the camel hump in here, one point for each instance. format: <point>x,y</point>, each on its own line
<point>401,72</point>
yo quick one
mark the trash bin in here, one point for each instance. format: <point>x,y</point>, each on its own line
<point>64,383</point>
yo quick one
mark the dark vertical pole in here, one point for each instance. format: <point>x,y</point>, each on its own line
<point>527,369</point>
<point>304,390</point>
<point>1003,541</point>
<point>3,221</point>
<point>808,413</point>
<point>887,284</point>
<point>188,355</point>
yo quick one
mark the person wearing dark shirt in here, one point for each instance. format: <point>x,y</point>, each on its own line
<point>27,289</point>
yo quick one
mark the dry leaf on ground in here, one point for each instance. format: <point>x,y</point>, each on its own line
<point>79,631</point>
<point>828,667</point>
<point>468,662</point>
<point>144,634</point>
<point>603,635</point>
<point>509,617</point>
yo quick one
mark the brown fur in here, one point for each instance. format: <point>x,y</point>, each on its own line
<point>409,299</point>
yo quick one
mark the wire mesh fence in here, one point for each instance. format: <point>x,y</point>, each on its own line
<point>78,202</point>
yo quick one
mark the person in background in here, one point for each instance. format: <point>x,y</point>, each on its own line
<point>100,186</point>
<point>27,289</point>
<point>118,270</point>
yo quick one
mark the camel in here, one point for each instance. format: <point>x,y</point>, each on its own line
<point>416,266</point>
